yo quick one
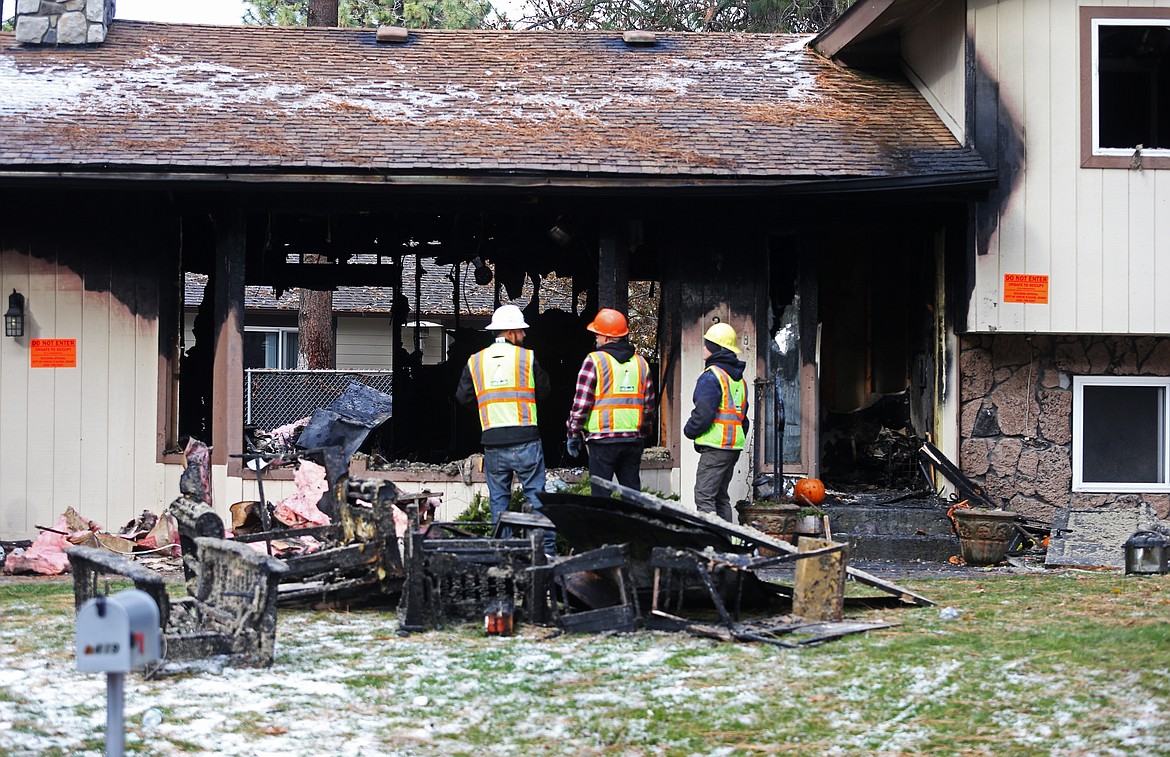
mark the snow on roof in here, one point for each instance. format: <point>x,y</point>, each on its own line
<point>158,97</point>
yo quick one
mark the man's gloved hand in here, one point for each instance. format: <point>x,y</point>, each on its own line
<point>574,445</point>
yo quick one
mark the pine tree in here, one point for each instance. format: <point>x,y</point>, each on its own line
<point>417,14</point>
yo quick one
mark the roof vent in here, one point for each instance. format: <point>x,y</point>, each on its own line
<point>640,38</point>
<point>392,34</point>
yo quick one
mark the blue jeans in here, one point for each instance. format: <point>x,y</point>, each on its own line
<point>526,461</point>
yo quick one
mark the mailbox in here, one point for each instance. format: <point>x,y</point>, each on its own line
<point>118,633</point>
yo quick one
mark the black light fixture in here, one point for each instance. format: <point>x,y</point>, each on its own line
<point>1146,552</point>
<point>483,274</point>
<point>14,316</point>
<point>559,234</point>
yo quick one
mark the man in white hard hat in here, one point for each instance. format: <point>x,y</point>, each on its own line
<point>719,422</point>
<point>503,381</point>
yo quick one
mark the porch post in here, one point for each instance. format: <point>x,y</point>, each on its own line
<point>227,384</point>
<point>613,268</point>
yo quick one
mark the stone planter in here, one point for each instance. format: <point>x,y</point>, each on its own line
<point>776,519</point>
<point>809,525</point>
<point>984,535</point>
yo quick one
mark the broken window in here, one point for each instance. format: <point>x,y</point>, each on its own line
<point>1126,97</point>
<point>1120,425</point>
<point>411,294</point>
<point>1133,85</point>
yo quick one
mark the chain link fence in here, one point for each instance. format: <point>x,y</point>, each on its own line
<point>276,397</point>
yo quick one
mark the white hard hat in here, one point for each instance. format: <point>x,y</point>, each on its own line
<point>506,318</point>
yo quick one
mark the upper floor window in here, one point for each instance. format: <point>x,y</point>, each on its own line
<point>1125,96</point>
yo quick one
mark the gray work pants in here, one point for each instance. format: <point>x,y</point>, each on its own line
<point>712,479</point>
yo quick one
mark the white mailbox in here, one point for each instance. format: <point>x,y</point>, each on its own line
<point>118,633</point>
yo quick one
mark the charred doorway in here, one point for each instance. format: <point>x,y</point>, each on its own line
<point>856,343</point>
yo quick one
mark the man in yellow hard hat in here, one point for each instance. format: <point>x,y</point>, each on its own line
<point>503,381</point>
<point>719,422</point>
<point>613,405</point>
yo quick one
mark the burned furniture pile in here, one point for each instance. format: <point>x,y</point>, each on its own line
<point>454,575</point>
<point>356,558</point>
<point>230,609</point>
<point>638,562</point>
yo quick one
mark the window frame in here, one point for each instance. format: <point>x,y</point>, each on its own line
<point>282,348</point>
<point>1092,17</point>
<point>1078,482</point>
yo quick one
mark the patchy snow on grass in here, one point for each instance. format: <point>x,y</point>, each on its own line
<point>348,684</point>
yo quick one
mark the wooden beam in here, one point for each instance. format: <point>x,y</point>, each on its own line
<point>227,384</point>
<point>613,268</point>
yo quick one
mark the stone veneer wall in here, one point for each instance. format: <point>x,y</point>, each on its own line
<point>63,22</point>
<point>1016,424</point>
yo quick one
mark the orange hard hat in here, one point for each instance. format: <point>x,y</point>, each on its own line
<point>609,322</point>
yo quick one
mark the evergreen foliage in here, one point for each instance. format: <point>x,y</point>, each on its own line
<point>416,14</point>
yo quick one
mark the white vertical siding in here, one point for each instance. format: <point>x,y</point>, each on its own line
<point>1062,172</point>
<point>79,437</point>
<point>1099,234</point>
<point>1161,227</point>
<point>15,520</point>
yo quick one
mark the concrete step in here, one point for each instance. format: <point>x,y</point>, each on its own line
<point>906,530</point>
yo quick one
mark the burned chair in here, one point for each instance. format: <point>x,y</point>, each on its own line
<point>230,610</point>
<point>455,576</point>
<point>601,580</point>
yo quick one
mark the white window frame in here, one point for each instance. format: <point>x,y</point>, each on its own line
<point>281,343</point>
<point>1115,152</point>
<point>1078,483</point>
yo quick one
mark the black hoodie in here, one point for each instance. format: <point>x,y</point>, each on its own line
<point>708,393</point>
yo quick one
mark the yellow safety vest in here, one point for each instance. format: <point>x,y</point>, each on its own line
<point>505,385</point>
<point>727,430</point>
<point>619,394</point>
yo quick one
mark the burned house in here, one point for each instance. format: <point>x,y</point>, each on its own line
<point>844,205</point>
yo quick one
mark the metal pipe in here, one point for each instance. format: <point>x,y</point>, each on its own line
<point>115,730</point>
<point>778,443</point>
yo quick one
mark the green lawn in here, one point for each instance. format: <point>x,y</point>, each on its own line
<point>1058,663</point>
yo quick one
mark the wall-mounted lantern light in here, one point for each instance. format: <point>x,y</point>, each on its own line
<point>14,316</point>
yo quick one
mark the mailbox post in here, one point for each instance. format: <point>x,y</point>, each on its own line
<point>117,634</point>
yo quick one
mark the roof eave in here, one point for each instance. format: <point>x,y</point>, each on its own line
<point>849,26</point>
<point>237,180</point>
<point>860,37</point>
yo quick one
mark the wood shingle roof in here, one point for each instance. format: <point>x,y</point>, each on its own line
<point>259,102</point>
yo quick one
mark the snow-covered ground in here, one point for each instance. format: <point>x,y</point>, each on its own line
<point>348,684</point>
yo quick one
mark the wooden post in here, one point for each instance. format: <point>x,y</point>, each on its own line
<point>227,398</point>
<point>819,593</point>
<point>613,269</point>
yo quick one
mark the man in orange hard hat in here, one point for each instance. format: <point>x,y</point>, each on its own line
<point>504,381</point>
<point>719,422</point>
<point>613,408</point>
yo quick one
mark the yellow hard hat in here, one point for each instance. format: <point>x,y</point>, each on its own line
<point>723,335</point>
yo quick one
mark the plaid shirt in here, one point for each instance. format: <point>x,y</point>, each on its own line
<point>583,403</point>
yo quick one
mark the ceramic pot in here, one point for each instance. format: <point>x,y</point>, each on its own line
<point>984,535</point>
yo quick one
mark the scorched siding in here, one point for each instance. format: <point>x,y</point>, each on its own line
<point>1101,235</point>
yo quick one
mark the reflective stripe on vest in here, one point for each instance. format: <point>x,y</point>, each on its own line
<point>505,385</point>
<point>619,394</point>
<point>726,431</point>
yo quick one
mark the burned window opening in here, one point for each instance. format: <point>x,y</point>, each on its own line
<point>408,289</point>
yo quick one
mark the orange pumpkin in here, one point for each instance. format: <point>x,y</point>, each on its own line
<point>809,491</point>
